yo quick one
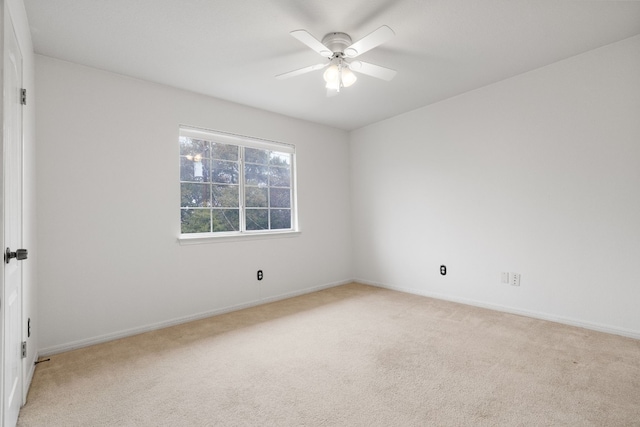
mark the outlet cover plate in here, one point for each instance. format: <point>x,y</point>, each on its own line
<point>515,279</point>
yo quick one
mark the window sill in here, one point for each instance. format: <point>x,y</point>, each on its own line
<point>198,239</point>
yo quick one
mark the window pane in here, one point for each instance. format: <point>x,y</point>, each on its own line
<point>255,197</point>
<point>225,196</point>
<point>257,219</point>
<point>186,169</point>
<point>280,177</point>
<point>225,172</point>
<point>256,175</point>
<point>195,195</point>
<point>194,147</point>
<point>280,159</point>
<point>191,170</point>
<point>280,218</point>
<point>253,155</point>
<point>226,219</point>
<point>279,198</point>
<point>195,221</point>
<point>224,151</point>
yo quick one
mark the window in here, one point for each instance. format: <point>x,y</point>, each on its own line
<point>232,184</point>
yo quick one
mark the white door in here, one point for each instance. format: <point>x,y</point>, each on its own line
<point>11,303</point>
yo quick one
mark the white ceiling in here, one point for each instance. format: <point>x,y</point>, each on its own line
<point>232,49</point>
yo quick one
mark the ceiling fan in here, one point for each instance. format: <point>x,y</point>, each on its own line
<point>340,51</point>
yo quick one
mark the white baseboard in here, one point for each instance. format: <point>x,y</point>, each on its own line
<point>61,348</point>
<point>512,310</point>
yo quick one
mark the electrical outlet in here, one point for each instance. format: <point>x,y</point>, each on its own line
<point>515,279</point>
<point>504,277</point>
<point>259,275</point>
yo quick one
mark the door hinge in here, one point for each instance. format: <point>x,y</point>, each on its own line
<point>24,349</point>
<point>23,96</point>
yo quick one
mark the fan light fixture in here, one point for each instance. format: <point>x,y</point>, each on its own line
<point>339,49</point>
<point>338,75</point>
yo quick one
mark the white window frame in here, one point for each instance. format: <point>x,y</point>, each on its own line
<point>246,142</point>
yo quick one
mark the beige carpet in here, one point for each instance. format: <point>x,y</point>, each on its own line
<point>348,356</point>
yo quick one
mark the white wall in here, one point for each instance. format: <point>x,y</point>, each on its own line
<point>29,267</point>
<point>108,209</point>
<point>538,174</point>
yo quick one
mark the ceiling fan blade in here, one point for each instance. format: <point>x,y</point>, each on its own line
<point>370,41</point>
<point>301,71</point>
<point>312,42</point>
<point>372,70</point>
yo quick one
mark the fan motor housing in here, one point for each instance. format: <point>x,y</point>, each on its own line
<point>337,42</point>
